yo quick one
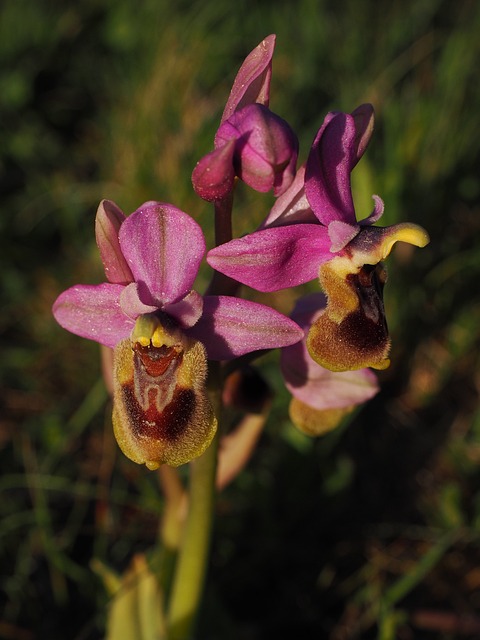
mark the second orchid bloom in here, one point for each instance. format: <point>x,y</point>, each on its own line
<point>312,231</point>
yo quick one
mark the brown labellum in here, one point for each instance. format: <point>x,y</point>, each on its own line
<point>352,332</point>
<point>162,413</point>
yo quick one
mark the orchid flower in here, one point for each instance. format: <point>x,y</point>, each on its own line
<point>321,398</point>
<point>252,142</point>
<point>312,231</point>
<point>162,330</point>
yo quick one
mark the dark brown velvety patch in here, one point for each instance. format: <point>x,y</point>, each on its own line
<point>167,426</point>
<point>362,333</point>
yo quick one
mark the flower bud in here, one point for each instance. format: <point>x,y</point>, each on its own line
<point>266,148</point>
<point>214,175</point>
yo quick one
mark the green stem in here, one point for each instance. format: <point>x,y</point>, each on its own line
<point>193,555</point>
<point>170,529</point>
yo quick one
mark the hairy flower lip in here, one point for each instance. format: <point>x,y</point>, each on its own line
<point>162,413</point>
<point>320,397</point>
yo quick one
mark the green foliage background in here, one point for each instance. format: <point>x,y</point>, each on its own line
<point>370,532</point>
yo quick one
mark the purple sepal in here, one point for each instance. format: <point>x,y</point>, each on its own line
<point>231,327</point>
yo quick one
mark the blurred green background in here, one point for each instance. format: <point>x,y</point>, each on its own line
<point>370,532</point>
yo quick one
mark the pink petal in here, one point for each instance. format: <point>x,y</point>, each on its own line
<point>323,389</point>
<point>163,247</point>
<point>186,311</point>
<point>376,214</point>
<point>329,165</point>
<point>231,327</point>
<point>274,259</point>
<point>266,149</point>
<point>133,303</point>
<point>108,221</point>
<point>93,312</point>
<point>341,233</point>
<point>292,206</point>
<point>252,83</point>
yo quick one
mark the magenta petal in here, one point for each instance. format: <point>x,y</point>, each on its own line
<point>329,165</point>
<point>376,214</point>
<point>231,327</point>
<point>163,247</point>
<point>274,259</point>
<point>108,221</point>
<point>252,83</point>
<point>186,311</point>
<point>266,149</point>
<point>133,303</point>
<point>320,388</point>
<point>93,312</point>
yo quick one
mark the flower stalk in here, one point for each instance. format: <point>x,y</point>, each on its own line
<point>192,561</point>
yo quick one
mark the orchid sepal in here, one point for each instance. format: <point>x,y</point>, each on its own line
<point>108,221</point>
<point>274,258</point>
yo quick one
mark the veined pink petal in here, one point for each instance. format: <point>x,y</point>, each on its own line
<point>310,383</point>
<point>230,327</point>
<point>93,312</point>
<point>330,162</point>
<point>163,247</point>
<point>252,83</point>
<point>274,259</point>
<point>108,221</point>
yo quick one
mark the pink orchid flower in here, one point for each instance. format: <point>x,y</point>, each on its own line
<point>312,231</point>
<point>162,330</point>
